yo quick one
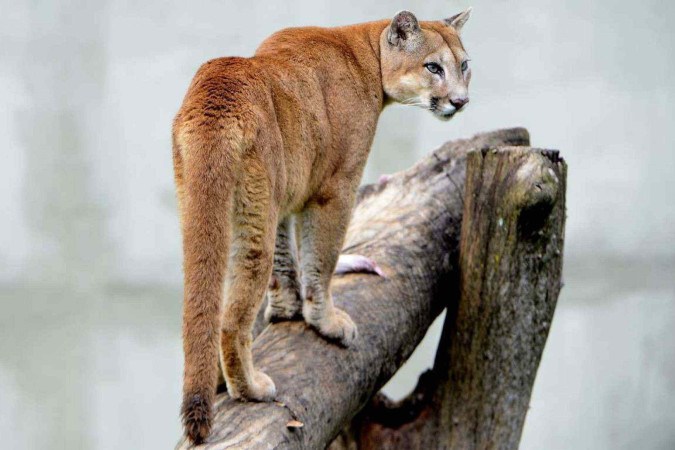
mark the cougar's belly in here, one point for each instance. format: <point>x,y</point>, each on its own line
<point>307,155</point>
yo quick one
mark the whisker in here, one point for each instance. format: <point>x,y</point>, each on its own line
<point>414,104</point>
<point>412,101</point>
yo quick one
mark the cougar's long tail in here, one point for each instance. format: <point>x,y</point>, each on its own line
<point>204,177</point>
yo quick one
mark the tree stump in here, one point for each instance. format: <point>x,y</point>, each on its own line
<point>410,224</point>
<point>477,394</point>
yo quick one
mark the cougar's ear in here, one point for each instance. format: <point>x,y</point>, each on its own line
<point>404,30</point>
<point>458,20</point>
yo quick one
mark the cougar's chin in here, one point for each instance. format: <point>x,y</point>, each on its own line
<point>445,114</point>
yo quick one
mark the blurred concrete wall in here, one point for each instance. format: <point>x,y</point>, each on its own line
<point>89,240</point>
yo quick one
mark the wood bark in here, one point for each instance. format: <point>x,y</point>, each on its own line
<point>410,224</point>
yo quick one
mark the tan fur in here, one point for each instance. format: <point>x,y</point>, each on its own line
<point>264,144</point>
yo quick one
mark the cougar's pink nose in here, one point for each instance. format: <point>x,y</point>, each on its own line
<point>458,102</point>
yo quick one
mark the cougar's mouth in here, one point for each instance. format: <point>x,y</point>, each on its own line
<point>443,113</point>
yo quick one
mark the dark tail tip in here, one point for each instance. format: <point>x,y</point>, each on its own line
<point>196,412</point>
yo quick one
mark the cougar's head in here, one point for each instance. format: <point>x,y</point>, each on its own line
<point>424,63</point>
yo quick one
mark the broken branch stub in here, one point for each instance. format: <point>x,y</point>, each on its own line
<point>511,266</point>
<point>477,394</point>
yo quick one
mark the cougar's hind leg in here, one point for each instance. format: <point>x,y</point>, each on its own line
<point>324,222</point>
<point>254,227</point>
<point>284,297</point>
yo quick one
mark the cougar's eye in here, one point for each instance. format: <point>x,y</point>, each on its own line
<point>434,68</point>
<point>465,65</point>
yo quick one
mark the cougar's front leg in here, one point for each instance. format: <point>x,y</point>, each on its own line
<point>284,296</point>
<point>324,222</point>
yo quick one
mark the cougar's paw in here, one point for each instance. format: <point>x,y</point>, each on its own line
<point>280,312</point>
<point>337,326</point>
<point>261,389</point>
<point>284,300</point>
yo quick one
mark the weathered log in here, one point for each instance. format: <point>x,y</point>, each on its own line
<point>477,394</point>
<point>410,225</point>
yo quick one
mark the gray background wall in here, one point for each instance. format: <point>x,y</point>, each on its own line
<point>90,355</point>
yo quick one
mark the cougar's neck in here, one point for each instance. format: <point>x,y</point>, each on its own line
<point>364,38</point>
